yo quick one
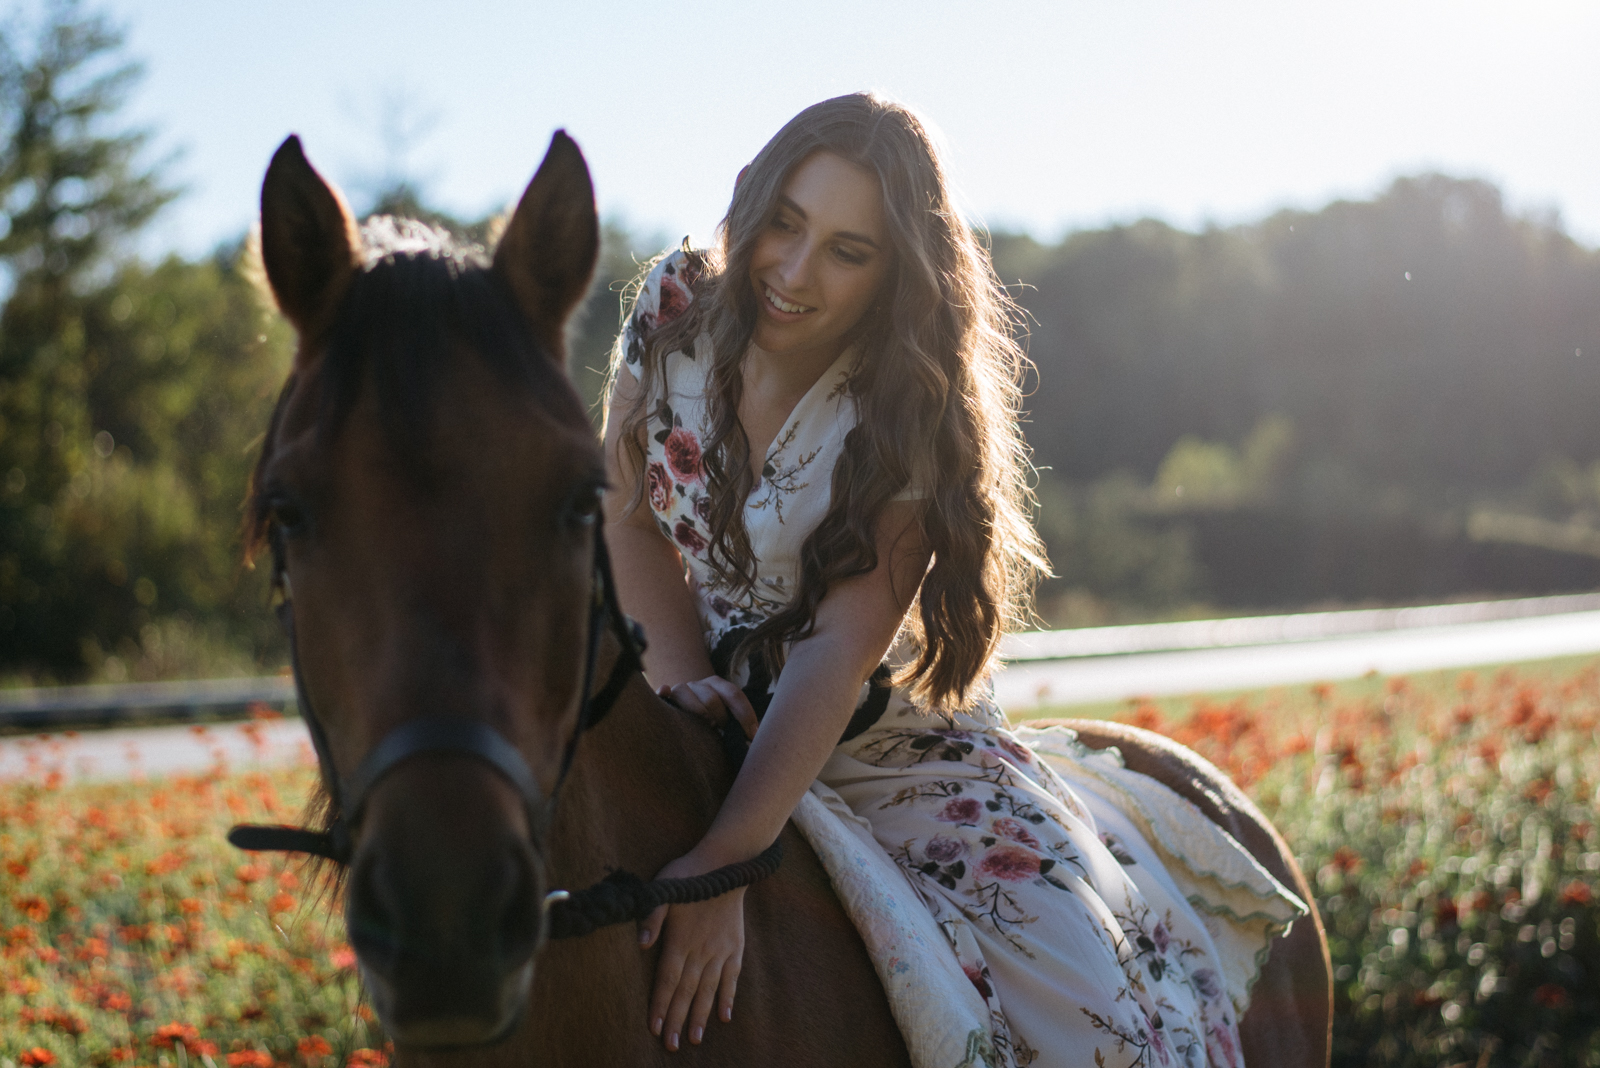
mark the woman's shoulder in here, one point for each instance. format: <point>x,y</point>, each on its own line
<point>664,296</point>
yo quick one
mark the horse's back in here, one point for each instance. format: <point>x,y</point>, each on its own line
<point>805,961</point>
<point>1290,1019</point>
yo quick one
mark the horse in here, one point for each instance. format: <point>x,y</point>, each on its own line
<point>430,484</point>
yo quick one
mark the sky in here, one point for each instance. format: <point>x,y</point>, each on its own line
<point>1055,115</point>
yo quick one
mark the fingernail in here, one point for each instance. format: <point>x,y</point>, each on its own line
<point>697,1034</point>
<point>655,1027</point>
<point>727,1014</point>
<point>644,938</point>
<point>672,1040</point>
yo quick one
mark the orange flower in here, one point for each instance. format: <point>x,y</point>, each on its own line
<point>115,1001</point>
<point>1576,893</point>
<point>287,880</point>
<point>121,1053</point>
<point>190,905</point>
<point>168,1034</point>
<point>37,1057</point>
<point>367,1058</point>
<point>33,907</point>
<point>280,903</point>
<point>342,958</point>
<point>251,1058</point>
<point>17,868</point>
<point>249,873</point>
<point>313,1048</point>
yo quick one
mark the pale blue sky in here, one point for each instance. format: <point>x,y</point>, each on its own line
<point>1056,114</point>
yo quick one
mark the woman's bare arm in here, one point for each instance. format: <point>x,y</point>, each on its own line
<point>816,695</point>
<point>647,566</point>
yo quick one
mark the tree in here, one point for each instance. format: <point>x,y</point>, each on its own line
<point>127,393</point>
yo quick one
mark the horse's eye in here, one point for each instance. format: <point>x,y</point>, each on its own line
<point>584,508</point>
<point>286,515</point>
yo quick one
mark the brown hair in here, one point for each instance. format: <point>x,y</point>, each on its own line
<point>936,391</point>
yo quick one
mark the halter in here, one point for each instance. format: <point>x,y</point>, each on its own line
<point>619,897</point>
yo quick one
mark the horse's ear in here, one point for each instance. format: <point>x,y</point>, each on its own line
<point>552,241</point>
<point>310,244</point>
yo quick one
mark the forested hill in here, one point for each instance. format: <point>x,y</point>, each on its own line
<point>1392,399</point>
<point>1426,341</point>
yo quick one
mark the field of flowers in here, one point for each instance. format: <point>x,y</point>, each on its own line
<point>132,934</point>
<point>1450,825</point>
<point>1451,829</point>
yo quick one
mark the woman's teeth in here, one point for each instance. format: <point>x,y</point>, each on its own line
<point>783,305</point>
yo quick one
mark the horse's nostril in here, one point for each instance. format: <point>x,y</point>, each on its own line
<point>373,919</point>
<point>520,918</point>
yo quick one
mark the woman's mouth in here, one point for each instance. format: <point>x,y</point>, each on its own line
<point>784,305</point>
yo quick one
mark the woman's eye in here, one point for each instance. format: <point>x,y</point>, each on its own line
<point>850,256</point>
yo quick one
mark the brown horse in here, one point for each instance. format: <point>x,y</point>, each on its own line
<point>430,486</point>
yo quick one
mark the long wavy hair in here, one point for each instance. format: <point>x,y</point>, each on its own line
<point>936,389</point>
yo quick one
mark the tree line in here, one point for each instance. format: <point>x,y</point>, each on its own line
<point>1316,407</point>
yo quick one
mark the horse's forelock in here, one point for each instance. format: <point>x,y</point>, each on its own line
<point>419,299</point>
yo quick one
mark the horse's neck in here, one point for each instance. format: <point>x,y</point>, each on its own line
<point>645,785</point>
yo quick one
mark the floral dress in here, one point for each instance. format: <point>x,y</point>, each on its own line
<point>1023,899</point>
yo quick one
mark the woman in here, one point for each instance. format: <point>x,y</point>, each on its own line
<point>816,424</point>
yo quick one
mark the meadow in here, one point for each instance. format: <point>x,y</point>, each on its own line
<point>1450,825</point>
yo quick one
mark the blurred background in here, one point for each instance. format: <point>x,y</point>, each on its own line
<point>1312,292</point>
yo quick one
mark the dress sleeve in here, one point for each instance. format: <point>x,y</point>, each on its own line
<point>665,294</point>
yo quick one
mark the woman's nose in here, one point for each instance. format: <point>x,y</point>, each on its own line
<point>797,265</point>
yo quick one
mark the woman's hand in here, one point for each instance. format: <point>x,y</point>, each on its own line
<point>713,698</point>
<point>701,955</point>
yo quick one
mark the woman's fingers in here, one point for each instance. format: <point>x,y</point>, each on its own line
<point>682,1000</point>
<point>669,973</point>
<point>650,927</point>
<point>704,998</point>
<point>730,983</point>
<point>734,700</point>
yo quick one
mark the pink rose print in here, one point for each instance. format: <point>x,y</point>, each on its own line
<point>1224,1043</point>
<point>674,301</point>
<point>660,487</point>
<point>979,980</point>
<point>1006,827</point>
<point>688,537</point>
<point>721,606</point>
<point>960,810</point>
<point>683,455</point>
<point>942,849</point>
<point>1009,862</point>
<point>1206,983</point>
<point>1020,753</point>
<point>702,508</point>
<point>1158,1041</point>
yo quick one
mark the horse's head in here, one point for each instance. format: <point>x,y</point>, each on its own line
<point>431,484</point>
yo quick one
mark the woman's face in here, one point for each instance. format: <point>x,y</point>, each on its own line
<point>820,261</point>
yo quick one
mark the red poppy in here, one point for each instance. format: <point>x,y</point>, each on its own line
<point>1012,863</point>
<point>37,1057</point>
<point>683,455</point>
<point>251,1058</point>
<point>169,1034</point>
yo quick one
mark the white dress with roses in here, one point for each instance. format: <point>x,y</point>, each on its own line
<point>1025,901</point>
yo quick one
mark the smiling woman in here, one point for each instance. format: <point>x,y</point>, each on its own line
<point>816,425</point>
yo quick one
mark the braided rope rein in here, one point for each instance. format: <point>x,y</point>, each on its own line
<point>623,896</point>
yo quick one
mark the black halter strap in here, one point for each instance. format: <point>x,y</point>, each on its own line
<point>619,897</point>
